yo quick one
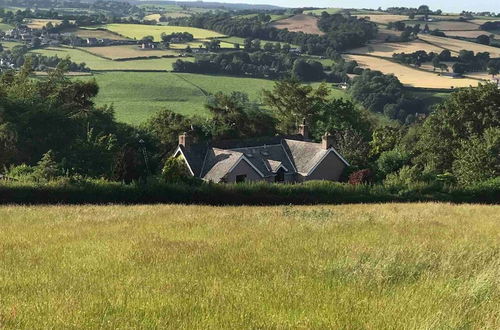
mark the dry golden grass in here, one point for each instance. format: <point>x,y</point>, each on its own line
<point>387,49</point>
<point>392,266</point>
<point>410,76</point>
<point>384,19</point>
<point>299,23</point>
<point>450,25</point>
<point>153,17</point>
<point>468,34</point>
<point>38,23</point>
<point>128,51</point>
<point>458,45</point>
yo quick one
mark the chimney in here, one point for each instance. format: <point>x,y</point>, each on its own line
<point>186,140</point>
<point>304,130</point>
<point>327,141</point>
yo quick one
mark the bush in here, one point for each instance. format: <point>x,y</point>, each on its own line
<point>175,170</point>
<point>391,161</point>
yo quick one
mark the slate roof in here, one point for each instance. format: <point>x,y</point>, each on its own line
<point>213,162</point>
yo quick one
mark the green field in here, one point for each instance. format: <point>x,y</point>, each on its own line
<point>371,266</point>
<point>136,96</point>
<point>5,27</point>
<point>98,63</point>
<point>138,31</point>
<point>319,11</point>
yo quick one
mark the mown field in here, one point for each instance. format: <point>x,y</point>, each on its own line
<point>371,266</point>
<point>136,96</point>
<point>98,63</point>
<point>128,51</point>
<point>410,76</point>
<point>138,31</point>
<point>458,45</point>
<point>299,23</point>
<point>39,23</point>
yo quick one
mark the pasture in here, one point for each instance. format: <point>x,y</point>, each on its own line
<point>383,19</point>
<point>136,96</point>
<point>410,76</point>
<point>318,12</point>
<point>101,64</point>
<point>138,31</point>
<point>299,23</point>
<point>366,266</point>
<point>446,25</point>
<point>128,51</point>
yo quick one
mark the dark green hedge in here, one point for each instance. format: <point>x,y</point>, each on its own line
<point>102,192</point>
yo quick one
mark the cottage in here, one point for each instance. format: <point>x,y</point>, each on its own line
<point>275,159</point>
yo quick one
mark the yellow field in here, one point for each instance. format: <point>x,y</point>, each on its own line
<point>366,266</point>
<point>387,49</point>
<point>128,51</point>
<point>152,17</point>
<point>458,45</point>
<point>468,34</point>
<point>38,24</point>
<point>99,34</point>
<point>384,19</point>
<point>138,31</point>
<point>299,23</point>
<point>409,76</point>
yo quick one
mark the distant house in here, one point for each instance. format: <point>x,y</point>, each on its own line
<point>148,45</point>
<point>275,159</point>
<point>91,41</point>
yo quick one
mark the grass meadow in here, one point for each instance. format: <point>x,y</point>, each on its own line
<point>138,31</point>
<point>101,64</point>
<point>367,266</point>
<point>137,95</point>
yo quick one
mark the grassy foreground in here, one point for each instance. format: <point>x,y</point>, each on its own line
<point>372,266</point>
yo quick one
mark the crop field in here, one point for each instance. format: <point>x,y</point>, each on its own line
<point>10,44</point>
<point>457,45</point>
<point>470,34</point>
<point>384,19</point>
<point>387,49</point>
<point>94,33</point>
<point>299,23</point>
<point>446,25</point>
<point>138,95</point>
<point>152,17</point>
<point>38,23</point>
<point>410,76</point>
<point>138,31</point>
<point>128,51</point>
<point>371,266</point>
<point>101,64</point>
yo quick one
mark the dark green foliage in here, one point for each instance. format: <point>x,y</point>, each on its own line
<point>466,114</point>
<point>175,170</point>
<point>391,161</point>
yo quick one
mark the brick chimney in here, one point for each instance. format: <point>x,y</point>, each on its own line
<point>327,141</point>
<point>186,140</point>
<point>304,130</point>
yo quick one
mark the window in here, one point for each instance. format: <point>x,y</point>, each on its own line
<point>241,178</point>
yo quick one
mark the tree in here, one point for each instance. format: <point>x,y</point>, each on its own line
<point>166,126</point>
<point>478,158</point>
<point>47,168</point>
<point>353,147</point>
<point>148,39</point>
<point>424,10</point>
<point>483,39</point>
<point>459,68</point>
<point>436,63</point>
<point>292,102</point>
<point>493,68</point>
<point>465,114</point>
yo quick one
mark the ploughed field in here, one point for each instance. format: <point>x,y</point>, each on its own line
<point>374,266</point>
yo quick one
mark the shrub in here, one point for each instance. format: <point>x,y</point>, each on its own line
<point>391,161</point>
<point>47,168</point>
<point>175,170</point>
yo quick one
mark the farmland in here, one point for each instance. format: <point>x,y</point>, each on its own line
<point>136,96</point>
<point>101,64</point>
<point>138,31</point>
<point>458,45</point>
<point>383,19</point>
<point>365,266</point>
<point>128,51</point>
<point>5,27</point>
<point>299,23</point>
<point>38,24</point>
<point>410,76</point>
<point>387,49</point>
<point>95,33</point>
